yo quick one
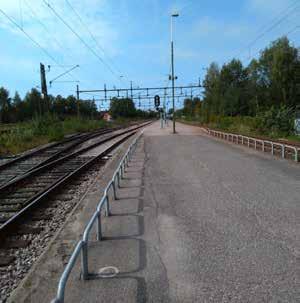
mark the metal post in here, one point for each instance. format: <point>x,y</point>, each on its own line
<point>118,176</point>
<point>114,188</point>
<point>99,228</point>
<point>77,95</point>
<point>43,88</point>
<point>84,260</point>
<point>173,76</point>
<point>173,90</point>
<point>107,209</point>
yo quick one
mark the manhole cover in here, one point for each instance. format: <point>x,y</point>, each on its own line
<point>108,272</point>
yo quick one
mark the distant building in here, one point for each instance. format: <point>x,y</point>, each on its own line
<point>107,117</point>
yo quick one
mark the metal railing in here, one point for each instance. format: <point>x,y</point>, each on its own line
<point>82,245</point>
<point>284,148</point>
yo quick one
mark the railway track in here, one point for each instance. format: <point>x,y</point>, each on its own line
<point>30,161</point>
<point>19,196</point>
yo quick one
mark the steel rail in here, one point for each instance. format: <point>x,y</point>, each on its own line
<point>80,137</point>
<point>57,161</point>
<point>36,199</point>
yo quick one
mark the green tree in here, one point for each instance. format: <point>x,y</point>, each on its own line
<point>124,107</point>
<point>5,105</point>
<point>33,103</point>
<point>278,72</point>
<point>18,108</point>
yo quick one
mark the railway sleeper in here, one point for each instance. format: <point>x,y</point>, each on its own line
<point>10,207</point>
<point>27,229</point>
<point>16,243</point>
<point>5,259</point>
<point>8,201</point>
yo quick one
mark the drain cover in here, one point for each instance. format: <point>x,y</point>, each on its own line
<point>108,272</point>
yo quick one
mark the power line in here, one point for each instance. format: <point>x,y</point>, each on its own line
<point>294,29</point>
<point>267,30</point>
<point>81,39</point>
<point>91,34</point>
<point>29,36</point>
<point>60,46</point>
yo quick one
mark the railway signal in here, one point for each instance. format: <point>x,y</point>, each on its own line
<point>157,101</point>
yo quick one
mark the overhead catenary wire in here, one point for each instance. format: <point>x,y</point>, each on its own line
<point>294,29</point>
<point>57,42</point>
<point>274,23</point>
<point>92,35</point>
<point>80,38</point>
<point>29,36</point>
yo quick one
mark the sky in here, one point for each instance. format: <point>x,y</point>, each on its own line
<point>118,41</point>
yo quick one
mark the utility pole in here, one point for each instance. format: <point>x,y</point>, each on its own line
<point>77,95</point>
<point>173,76</point>
<point>105,93</point>
<point>131,90</point>
<point>43,87</point>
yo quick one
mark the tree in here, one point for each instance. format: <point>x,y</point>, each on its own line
<point>33,103</point>
<point>124,107</point>
<point>18,108</point>
<point>5,105</point>
<point>278,71</point>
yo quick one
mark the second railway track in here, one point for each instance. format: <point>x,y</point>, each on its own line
<point>21,194</point>
<point>39,157</point>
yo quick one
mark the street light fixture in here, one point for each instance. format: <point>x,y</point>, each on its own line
<point>174,15</point>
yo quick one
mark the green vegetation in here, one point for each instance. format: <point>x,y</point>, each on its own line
<point>13,110</point>
<point>125,108</point>
<point>262,98</point>
<point>39,131</point>
<point>32,121</point>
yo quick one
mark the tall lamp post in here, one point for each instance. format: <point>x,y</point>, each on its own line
<point>174,15</point>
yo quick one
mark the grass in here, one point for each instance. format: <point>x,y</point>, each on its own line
<point>24,136</point>
<point>246,126</point>
<point>27,135</point>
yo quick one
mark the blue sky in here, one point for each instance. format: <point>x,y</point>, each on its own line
<point>135,38</point>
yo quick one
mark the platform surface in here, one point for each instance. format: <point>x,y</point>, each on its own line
<point>198,220</point>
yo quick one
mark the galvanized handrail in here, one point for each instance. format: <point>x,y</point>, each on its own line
<point>82,245</point>
<point>284,147</point>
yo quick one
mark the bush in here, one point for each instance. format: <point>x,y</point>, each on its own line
<point>277,121</point>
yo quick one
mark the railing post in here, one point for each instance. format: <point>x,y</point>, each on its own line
<point>99,227</point>
<point>296,154</point>
<point>122,171</point>
<point>84,260</point>
<point>272,148</point>
<point>283,151</point>
<point>107,208</point>
<point>114,188</point>
<point>118,176</point>
<point>263,146</point>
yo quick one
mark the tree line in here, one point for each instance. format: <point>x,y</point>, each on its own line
<point>267,87</point>
<point>125,108</point>
<point>15,109</point>
<point>271,80</point>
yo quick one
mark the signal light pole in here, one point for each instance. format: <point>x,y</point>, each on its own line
<point>174,15</point>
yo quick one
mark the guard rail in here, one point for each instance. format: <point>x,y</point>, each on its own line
<point>284,148</point>
<point>82,245</point>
